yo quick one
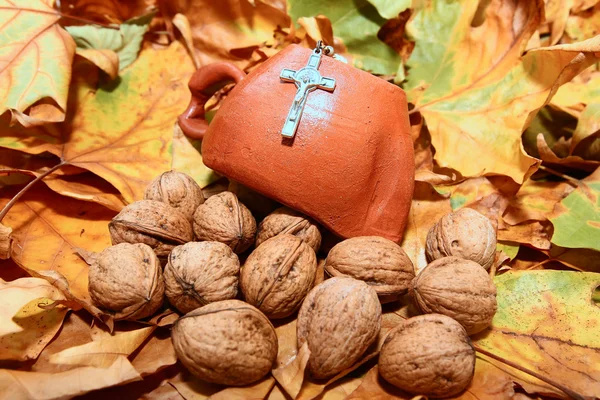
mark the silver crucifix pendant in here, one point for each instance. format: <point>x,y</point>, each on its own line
<point>307,80</point>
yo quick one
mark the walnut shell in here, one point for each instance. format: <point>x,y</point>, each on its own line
<point>222,218</point>
<point>458,288</point>
<point>178,190</point>
<point>278,274</point>
<point>466,234</point>
<point>429,355</point>
<point>127,280</point>
<point>286,220</point>
<point>151,222</point>
<point>377,261</point>
<point>339,319</point>
<point>198,273</point>
<point>228,342</point>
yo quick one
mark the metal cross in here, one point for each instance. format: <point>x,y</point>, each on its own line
<point>307,80</point>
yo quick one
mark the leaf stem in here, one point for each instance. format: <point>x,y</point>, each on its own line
<point>12,201</point>
<point>562,388</point>
<point>58,13</point>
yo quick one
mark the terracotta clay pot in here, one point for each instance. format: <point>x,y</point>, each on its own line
<point>350,165</point>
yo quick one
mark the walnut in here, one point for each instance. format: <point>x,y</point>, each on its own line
<point>458,288</point>
<point>339,319</point>
<point>127,280</point>
<point>228,342</point>
<point>222,218</point>
<point>379,262</point>
<point>178,190</point>
<point>278,274</point>
<point>151,222</point>
<point>286,220</point>
<point>466,234</point>
<point>428,355</point>
<point>198,273</point>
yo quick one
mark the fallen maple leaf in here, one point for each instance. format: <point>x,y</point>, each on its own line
<point>476,98</point>
<point>546,323</point>
<point>46,230</point>
<point>123,131</point>
<point>230,29</point>
<point>26,328</point>
<point>35,62</point>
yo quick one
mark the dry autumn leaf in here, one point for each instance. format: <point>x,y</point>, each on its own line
<point>25,327</point>
<point>546,323</point>
<point>35,62</point>
<point>488,101</point>
<point>47,228</point>
<point>123,132</point>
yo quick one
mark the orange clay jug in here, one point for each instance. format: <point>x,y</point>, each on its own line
<point>313,133</point>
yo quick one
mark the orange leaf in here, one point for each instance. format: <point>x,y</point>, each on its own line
<point>46,230</point>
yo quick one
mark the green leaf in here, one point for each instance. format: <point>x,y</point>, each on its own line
<point>356,23</point>
<point>576,219</point>
<point>389,9</point>
<point>547,323</point>
<point>125,41</point>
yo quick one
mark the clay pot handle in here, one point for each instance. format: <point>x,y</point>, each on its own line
<point>204,83</point>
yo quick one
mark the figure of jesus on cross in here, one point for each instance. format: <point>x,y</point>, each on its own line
<point>307,80</point>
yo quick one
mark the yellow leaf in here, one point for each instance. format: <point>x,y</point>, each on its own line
<point>123,131</point>
<point>547,323</point>
<point>35,62</point>
<point>46,230</point>
<point>26,328</point>
<point>231,29</point>
<point>477,99</point>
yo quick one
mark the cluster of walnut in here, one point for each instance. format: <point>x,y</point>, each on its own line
<point>176,244</point>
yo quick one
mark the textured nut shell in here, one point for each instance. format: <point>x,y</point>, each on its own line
<point>278,274</point>
<point>340,319</point>
<point>198,273</point>
<point>151,222</point>
<point>222,218</point>
<point>377,261</point>
<point>429,355</point>
<point>178,190</point>
<point>127,279</point>
<point>458,288</point>
<point>228,342</point>
<point>286,220</point>
<point>466,234</point>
